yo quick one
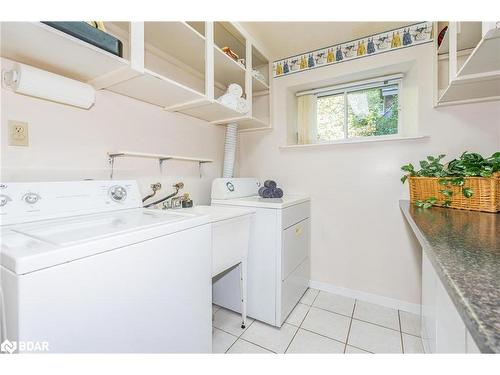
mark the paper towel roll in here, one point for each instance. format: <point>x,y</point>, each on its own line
<point>28,80</point>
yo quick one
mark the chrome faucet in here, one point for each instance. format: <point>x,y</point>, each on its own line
<point>176,202</point>
<point>154,187</point>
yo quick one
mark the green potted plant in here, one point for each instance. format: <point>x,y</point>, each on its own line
<point>469,182</point>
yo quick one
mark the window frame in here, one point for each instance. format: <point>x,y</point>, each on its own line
<point>347,88</point>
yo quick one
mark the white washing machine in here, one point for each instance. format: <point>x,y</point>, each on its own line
<point>85,268</point>
<point>278,265</point>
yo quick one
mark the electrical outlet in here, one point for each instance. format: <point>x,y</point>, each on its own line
<point>18,133</point>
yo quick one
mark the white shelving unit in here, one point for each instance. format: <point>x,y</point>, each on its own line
<point>260,118</point>
<point>259,85</point>
<point>42,46</point>
<point>161,158</point>
<point>179,66</point>
<point>154,88</point>
<point>222,70</point>
<point>486,56</point>
<point>470,32</point>
<point>208,110</point>
<point>468,64</point>
<point>162,78</point>
<point>227,70</point>
<point>244,122</point>
<point>178,39</point>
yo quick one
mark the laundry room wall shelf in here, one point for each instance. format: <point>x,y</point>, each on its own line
<point>245,123</point>
<point>185,74</point>
<point>160,157</point>
<point>44,47</point>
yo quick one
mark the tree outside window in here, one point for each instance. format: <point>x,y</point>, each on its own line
<point>358,113</point>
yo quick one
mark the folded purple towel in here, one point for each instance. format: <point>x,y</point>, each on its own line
<point>270,190</point>
<point>267,193</point>
<point>270,184</point>
<point>278,193</point>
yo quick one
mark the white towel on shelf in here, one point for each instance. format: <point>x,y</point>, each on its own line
<point>232,98</point>
<point>230,101</point>
<point>235,89</point>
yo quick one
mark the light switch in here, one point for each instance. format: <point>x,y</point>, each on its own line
<point>18,133</point>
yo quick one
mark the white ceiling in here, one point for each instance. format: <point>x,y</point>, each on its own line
<point>283,39</point>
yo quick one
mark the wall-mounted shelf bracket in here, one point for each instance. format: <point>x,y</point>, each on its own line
<point>161,159</point>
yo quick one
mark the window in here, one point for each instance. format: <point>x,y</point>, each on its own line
<point>362,109</point>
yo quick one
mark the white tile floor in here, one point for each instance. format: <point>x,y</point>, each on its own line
<point>321,323</point>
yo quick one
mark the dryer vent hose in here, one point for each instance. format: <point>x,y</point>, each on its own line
<point>230,150</point>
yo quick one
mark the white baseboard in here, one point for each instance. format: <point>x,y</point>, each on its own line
<point>367,297</point>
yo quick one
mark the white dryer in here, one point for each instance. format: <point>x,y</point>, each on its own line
<point>85,268</point>
<point>278,258</point>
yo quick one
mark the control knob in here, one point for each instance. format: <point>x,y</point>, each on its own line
<point>31,198</point>
<point>4,199</point>
<point>118,193</point>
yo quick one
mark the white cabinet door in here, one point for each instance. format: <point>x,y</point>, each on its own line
<point>428,316</point>
<point>230,242</point>
<point>296,240</point>
<point>451,331</point>
<point>443,330</point>
<point>265,243</point>
<point>293,214</point>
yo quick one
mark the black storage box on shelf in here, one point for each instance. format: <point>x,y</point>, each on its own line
<point>90,34</point>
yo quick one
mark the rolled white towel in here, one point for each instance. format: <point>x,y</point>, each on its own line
<point>234,89</point>
<point>230,101</point>
<point>232,98</point>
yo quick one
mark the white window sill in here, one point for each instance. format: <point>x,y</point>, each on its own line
<point>358,140</point>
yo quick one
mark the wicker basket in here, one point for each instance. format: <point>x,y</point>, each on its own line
<point>486,192</point>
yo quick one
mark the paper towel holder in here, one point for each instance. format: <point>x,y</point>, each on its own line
<point>83,94</point>
<point>9,78</point>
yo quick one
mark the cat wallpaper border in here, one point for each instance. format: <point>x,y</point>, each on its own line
<point>387,41</point>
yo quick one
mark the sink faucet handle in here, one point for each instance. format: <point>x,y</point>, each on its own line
<point>156,186</point>
<point>179,185</point>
